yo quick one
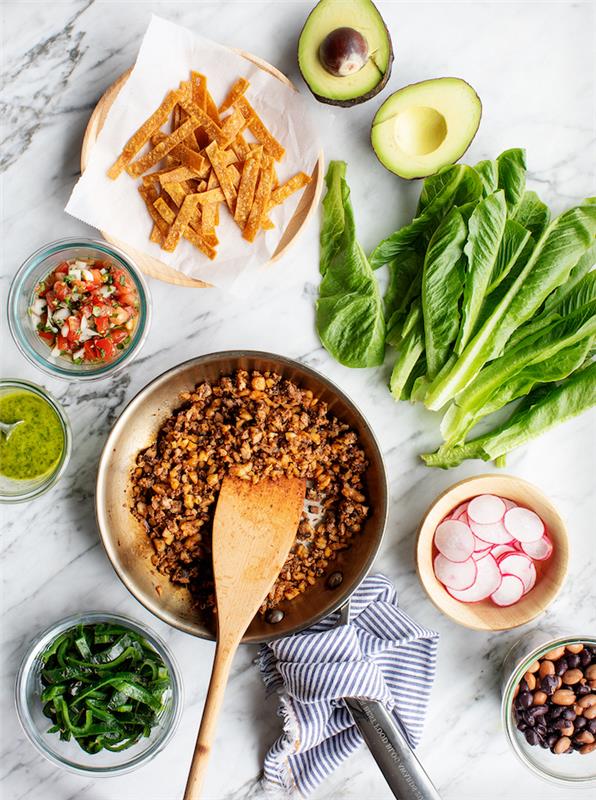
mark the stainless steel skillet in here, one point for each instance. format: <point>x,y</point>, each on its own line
<point>130,550</point>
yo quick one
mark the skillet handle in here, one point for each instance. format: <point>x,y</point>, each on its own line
<point>395,758</point>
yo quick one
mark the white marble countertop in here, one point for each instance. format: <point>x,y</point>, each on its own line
<point>533,66</point>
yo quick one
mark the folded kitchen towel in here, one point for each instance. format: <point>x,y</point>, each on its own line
<point>380,654</point>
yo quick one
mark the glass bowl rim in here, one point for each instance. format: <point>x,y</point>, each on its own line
<point>514,678</point>
<point>54,477</point>
<point>15,324</point>
<point>42,639</point>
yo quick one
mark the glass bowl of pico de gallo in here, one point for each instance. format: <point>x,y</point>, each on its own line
<point>79,309</point>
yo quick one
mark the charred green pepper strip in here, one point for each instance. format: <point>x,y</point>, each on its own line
<point>104,686</point>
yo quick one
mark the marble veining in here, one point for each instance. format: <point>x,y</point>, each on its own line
<point>533,66</point>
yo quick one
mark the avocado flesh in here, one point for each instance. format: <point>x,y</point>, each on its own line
<point>426,126</point>
<point>348,90</point>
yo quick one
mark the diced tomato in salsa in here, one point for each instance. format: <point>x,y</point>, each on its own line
<point>90,312</point>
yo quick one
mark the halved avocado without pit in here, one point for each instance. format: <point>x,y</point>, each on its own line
<point>426,126</point>
<point>345,52</point>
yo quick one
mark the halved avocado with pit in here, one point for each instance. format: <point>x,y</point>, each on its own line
<point>345,52</point>
<point>426,126</point>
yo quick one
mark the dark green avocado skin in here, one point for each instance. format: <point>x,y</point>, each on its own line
<point>363,97</point>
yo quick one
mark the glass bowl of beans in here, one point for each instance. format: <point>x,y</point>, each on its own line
<point>79,309</point>
<point>549,706</point>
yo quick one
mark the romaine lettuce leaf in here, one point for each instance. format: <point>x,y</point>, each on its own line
<point>544,408</point>
<point>349,315</point>
<point>497,377</point>
<point>453,186</point>
<point>485,232</point>
<point>442,287</point>
<point>511,167</point>
<point>549,265</point>
<point>533,214</point>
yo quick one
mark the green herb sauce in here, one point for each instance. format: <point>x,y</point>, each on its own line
<point>34,447</point>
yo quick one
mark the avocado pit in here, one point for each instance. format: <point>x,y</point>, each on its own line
<point>343,52</point>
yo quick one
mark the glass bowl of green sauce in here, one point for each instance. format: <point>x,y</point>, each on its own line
<point>34,455</point>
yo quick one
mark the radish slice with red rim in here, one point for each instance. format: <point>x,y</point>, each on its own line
<point>478,554</point>
<point>508,503</point>
<point>500,550</point>
<point>454,540</point>
<point>494,532</point>
<point>540,550</point>
<point>488,580</point>
<point>523,524</point>
<point>521,566</point>
<point>509,592</point>
<point>486,509</point>
<point>460,511</point>
<point>455,574</point>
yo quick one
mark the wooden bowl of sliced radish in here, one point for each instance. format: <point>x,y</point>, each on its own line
<point>492,552</point>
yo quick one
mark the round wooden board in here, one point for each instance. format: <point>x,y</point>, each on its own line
<point>153,266</point>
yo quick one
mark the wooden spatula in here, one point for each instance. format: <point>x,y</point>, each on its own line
<point>253,530</point>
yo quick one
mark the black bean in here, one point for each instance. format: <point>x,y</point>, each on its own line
<point>577,745</point>
<point>531,737</point>
<point>582,689</point>
<point>523,685</point>
<point>585,657</point>
<point>559,724</point>
<point>522,726</point>
<point>549,684</point>
<point>525,699</point>
<point>335,580</point>
<point>555,712</point>
<point>569,713</point>
<point>561,666</point>
<point>274,615</point>
<point>580,722</point>
<point>592,726</point>
<point>572,660</point>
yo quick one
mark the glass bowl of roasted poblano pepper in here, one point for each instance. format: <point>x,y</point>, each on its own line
<point>99,693</point>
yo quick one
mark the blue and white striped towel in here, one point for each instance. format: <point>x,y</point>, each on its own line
<point>381,654</point>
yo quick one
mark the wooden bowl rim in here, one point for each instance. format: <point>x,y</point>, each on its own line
<point>165,272</point>
<point>430,582</point>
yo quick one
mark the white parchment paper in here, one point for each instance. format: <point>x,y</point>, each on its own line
<point>168,53</point>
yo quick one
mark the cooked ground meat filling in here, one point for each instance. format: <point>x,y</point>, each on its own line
<point>249,425</point>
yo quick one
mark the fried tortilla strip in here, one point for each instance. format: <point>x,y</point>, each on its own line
<point>262,195</point>
<point>177,174</point>
<point>266,224</point>
<point>217,162</point>
<point>187,157</point>
<point>160,150</point>
<point>248,184</point>
<point>232,125</point>
<point>176,191</point>
<point>234,176</point>
<point>156,236</point>
<point>211,196</point>
<point>144,133</point>
<point>258,129</point>
<point>235,92</point>
<point>208,220</point>
<point>150,199</point>
<point>240,147</point>
<point>180,224</point>
<point>202,119</point>
<point>168,217</point>
<point>281,194</point>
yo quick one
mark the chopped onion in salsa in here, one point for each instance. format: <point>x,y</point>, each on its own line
<point>86,310</point>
